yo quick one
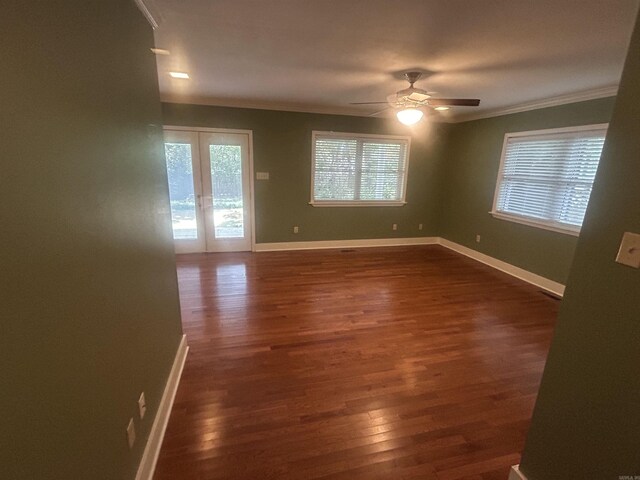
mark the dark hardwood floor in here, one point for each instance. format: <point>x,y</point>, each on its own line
<point>385,363</point>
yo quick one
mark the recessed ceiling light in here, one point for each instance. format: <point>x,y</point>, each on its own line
<point>160,51</point>
<point>441,108</point>
<point>182,75</point>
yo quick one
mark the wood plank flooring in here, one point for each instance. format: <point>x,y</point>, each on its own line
<point>386,363</point>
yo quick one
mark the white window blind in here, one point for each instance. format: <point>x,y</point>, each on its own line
<point>546,177</point>
<point>350,169</point>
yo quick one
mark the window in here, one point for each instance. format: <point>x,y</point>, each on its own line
<point>546,176</point>
<point>358,170</point>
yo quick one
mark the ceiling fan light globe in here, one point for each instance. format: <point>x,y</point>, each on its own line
<point>409,116</point>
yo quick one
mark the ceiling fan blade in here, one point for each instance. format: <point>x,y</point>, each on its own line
<point>379,111</point>
<point>367,103</point>
<point>454,102</point>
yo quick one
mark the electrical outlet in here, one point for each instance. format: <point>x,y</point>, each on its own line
<point>142,405</point>
<point>477,238</point>
<point>394,226</point>
<point>296,229</point>
<point>419,226</point>
<point>131,433</point>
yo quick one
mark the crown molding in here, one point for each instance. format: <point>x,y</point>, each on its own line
<point>150,12</point>
<point>582,96</point>
<point>261,105</point>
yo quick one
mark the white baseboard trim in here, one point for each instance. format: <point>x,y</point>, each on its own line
<point>532,278</point>
<point>516,474</point>
<point>529,277</point>
<point>371,242</point>
<point>154,442</point>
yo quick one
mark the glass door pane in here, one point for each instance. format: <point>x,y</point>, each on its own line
<point>185,190</point>
<point>181,190</point>
<point>226,191</point>
<point>226,188</point>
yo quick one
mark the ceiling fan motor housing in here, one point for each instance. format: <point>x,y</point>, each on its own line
<point>412,77</point>
<point>416,98</point>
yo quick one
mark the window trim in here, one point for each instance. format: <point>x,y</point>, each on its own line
<point>358,203</point>
<point>542,224</point>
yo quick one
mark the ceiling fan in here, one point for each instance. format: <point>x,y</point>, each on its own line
<point>409,101</point>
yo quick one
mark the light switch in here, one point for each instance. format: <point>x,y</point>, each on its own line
<point>629,253</point>
<point>262,175</point>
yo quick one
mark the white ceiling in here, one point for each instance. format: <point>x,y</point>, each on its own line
<point>319,55</point>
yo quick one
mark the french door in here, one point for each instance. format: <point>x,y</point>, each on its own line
<point>210,190</point>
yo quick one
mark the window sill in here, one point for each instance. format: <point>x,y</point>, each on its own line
<point>352,203</point>
<point>559,228</point>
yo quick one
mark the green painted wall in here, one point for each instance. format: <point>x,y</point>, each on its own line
<point>452,175</point>
<point>282,147</point>
<point>586,423</point>
<point>473,160</point>
<point>90,314</point>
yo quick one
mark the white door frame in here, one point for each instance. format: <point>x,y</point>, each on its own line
<point>251,172</point>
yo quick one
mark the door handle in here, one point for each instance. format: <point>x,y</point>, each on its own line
<point>204,201</point>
